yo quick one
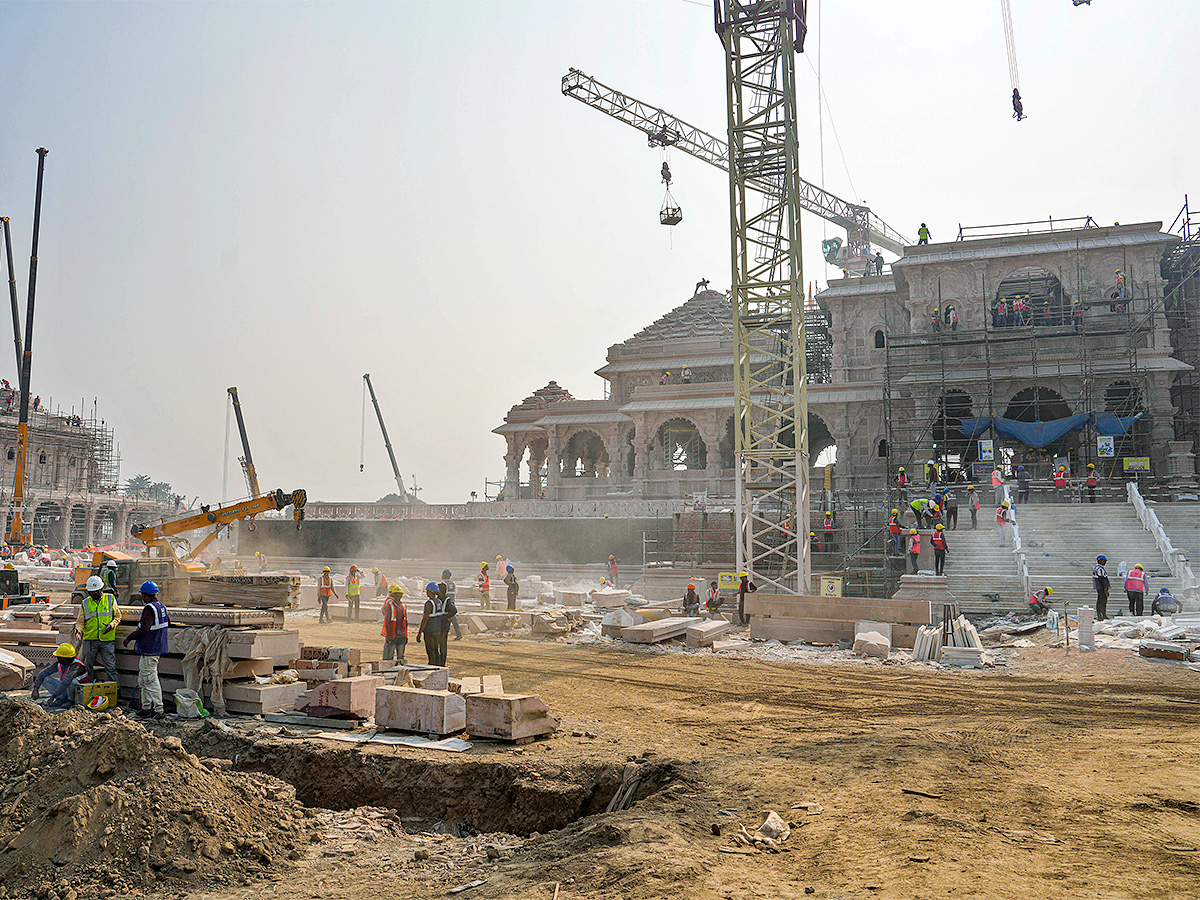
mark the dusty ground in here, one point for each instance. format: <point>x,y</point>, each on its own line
<point>1052,779</point>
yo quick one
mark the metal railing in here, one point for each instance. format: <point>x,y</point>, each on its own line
<point>1175,558</point>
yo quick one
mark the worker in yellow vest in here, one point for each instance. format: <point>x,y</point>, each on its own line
<point>96,626</point>
<point>353,587</point>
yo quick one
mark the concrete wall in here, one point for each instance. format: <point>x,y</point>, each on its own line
<point>574,541</point>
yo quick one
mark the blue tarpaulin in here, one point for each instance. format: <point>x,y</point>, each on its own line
<point>1043,434</point>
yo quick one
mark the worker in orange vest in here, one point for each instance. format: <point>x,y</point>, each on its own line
<point>814,545</point>
<point>1060,484</point>
<point>1003,517</point>
<point>827,526</point>
<point>902,484</point>
<point>938,539</point>
<point>325,588</point>
<point>998,484</point>
<point>1091,482</point>
<point>894,530</point>
<point>381,583</point>
<point>973,505</point>
<point>1135,590</point>
<point>395,624</point>
<point>914,548</point>
<point>612,570</point>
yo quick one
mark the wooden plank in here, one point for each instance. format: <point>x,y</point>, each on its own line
<point>508,717</point>
<point>703,634</point>
<point>662,630</point>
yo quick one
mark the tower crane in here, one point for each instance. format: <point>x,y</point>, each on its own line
<point>863,227</point>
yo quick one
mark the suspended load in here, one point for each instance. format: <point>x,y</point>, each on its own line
<point>671,213</point>
<point>1010,43</point>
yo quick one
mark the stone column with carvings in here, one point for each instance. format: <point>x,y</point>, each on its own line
<point>512,462</point>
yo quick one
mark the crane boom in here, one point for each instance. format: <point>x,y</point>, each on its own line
<point>387,442</point>
<point>247,460</point>
<point>662,129</point>
<point>12,295</point>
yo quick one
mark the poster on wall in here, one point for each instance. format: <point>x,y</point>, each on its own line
<point>1136,463</point>
<point>987,450</point>
<point>831,586</point>
<point>1106,447</point>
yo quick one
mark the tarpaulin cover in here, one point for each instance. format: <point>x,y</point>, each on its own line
<point>1108,424</point>
<point>1043,434</point>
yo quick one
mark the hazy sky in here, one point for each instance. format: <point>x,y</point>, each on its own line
<point>282,196</point>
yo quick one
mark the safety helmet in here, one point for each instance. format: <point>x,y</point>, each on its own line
<point>692,585</point>
<point>149,587</point>
<point>1020,468</point>
<point>353,567</point>
<point>1062,468</point>
<point>508,568</point>
<point>1091,465</point>
<point>445,573</point>
<point>498,557</point>
<point>256,553</point>
<point>395,589</point>
<point>1140,567</point>
<point>970,488</point>
<point>743,574</point>
<point>65,651</point>
<point>603,580</point>
<point>432,586</point>
<point>895,512</point>
<point>325,568</point>
<point>939,526</point>
<point>610,556</point>
<point>912,531</point>
<point>1101,558</point>
<point>94,584</point>
<point>812,534</point>
<point>828,513</point>
<point>606,515</point>
<point>902,468</point>
<point>375,570</point>
<point>483,565</point>
<point>111,564</point>
<point>1006,504</point>
<point>668,373</point>
<point>99,703</point>
<point>937,507</point>
<point>1049,591</point>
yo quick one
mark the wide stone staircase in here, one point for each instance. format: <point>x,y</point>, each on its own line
<point>1061,542</point>
<point>980,574</point>
<point>1181,522</point>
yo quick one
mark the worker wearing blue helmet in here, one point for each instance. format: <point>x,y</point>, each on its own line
<point>150,643</point>
<point>1101,583</point>
<point>435,622</point>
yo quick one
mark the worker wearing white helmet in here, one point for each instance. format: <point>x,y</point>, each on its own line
<point>96,626</point>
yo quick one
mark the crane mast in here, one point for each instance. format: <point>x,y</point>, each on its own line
<point>662,129</point>
<point>761,39</point>
<point>247,460</point>
<point>387,442</point>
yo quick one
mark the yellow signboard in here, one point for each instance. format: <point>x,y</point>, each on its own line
<point>1136,463</point>
<point>831,586</point>
<point>727,581</point>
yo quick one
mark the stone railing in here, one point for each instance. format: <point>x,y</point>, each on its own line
<point>1018,550</point>
<point>495,509</point>
<point>1175,558</point>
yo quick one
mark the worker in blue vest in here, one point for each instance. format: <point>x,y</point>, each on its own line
<point>96,627</point>
<point>435,623</point>
<point>150,643</point>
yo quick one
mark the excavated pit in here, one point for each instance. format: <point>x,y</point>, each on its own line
<point>469,794</point>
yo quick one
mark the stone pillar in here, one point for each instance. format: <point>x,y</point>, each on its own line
<point>1162,429</point>
<point>537,459</point>
<point>554,467</point>
<point>121,526</point>
<point>1181,471</point>
<point>512,461</point>
<point>89,524</point>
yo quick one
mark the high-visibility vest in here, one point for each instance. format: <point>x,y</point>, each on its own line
<point>1091,479</point>
<point>485,582</point>
<point>829,523</point>
<point>1135,580</point>
<point>939,540</point>
<point>901,479</point>
<point>395,619</point>
<point>914,544</point>
<point>997,478</point>
<point>325,585</point>
<point>1060,479</point>
<point>973,500</point>
<point>1001,515</point>
<point>352,584</point>
<point>714,598</point>
<point>98,618</point>
<point>894,524</point>
<point>1038,598</point>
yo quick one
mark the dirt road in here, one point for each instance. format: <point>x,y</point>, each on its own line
<point>1049,780</point>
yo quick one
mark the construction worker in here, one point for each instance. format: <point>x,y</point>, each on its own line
<point>1039,601</point>
<point>381,583</point>
<point>96,627</point>
<point>938,539</point>
<point>435,624</point>
<point>973,506</point>
<point>902,484</point>
<point>745,586</point>
<point>914,548</point>
<point>878,260</point>
<point>60,676</point>
<point>894,531</point>
<point>1023,480</point>
<point>712,604</point>
<point>950,503</point>
<point>150,639</point>
<point>395,624</point>
<point>612,570</point>
<point>1077,315</point>
<point>1060,484</point>
<point>923,234</point>
<point>701,285</point>
<point>827,527</point>
<point>262,561</point>
<point>1135,590</point>
<point>325,589</point>
<point>510,579</point>
<point>1003,517</point>
<point>814,546</point>
<point>452,596</point>
<point>665,376</point>
<point>1090,481</point>
<point>935,319</point>
<point>998,484</point>
<point>484,582</point>
<point>1101,583</point>
<point>924,509</point>
<point>691,600</point>
<point>685,375</point>
<point>952,318</point>
<point>998,313</point>
<point>108,572</point>
<point>1018,107</point>
<point>666,174</point>
<point>353,586</point>
<point>1165,604</point>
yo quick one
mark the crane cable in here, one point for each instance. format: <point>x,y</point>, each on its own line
<point>1010,43</point>
<point>362,434</point>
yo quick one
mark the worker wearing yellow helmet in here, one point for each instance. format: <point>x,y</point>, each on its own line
<point>894,531</point>
<point>665,376</point>
<point>59,677</point>
<point>685,374</point>
<point>483,581</point>
<point>1090,482</point>
<point>395,624</point>
<point>902,485</point>
<point>1003,518</point>
<point>1135,590</point>
<point>914,549</point>
<point>381,583</point>
<point>1039,601</point>
<point>938,540</point>
<point>745,586</point>
<point>325,590</point>
<point>827,528</point>
<point>1060,483</point>
<point>813,544</point>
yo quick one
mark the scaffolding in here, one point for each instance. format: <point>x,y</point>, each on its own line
<point>1181,271</point>
<point>1041,329</point>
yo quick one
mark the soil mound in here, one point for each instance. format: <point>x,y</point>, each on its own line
<point>96,805</point>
